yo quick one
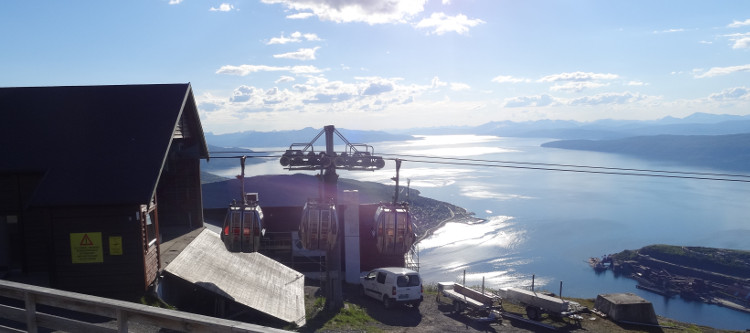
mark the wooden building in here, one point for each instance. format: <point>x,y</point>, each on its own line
<point>91,176</point>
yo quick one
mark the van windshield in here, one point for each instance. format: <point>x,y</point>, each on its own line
<point>411,280</point>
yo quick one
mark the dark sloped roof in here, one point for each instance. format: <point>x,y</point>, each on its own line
<point>94,145</point>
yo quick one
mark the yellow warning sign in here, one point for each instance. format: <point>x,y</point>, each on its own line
<point>115,245</point>
<point>86,247</point>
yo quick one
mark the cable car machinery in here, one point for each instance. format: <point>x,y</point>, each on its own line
<point>355,157</point>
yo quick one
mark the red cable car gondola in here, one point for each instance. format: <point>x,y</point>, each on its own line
<point>318,229</point>
<point>243,226</point>
<point>394,231</point>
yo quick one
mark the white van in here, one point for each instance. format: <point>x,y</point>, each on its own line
<point>393,285</point>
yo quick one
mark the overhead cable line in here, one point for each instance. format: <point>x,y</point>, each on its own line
<point>575,168</point>
<point>619,173</point>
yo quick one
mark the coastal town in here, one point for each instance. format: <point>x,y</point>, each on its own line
<point>708,275</point>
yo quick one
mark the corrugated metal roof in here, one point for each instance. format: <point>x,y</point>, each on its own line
<point>91,142</point>
<point>251,279</point>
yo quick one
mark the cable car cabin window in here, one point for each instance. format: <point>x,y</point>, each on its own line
<point>248,225</point>
<point>401,229</point>
<point>250,231</point>
<point>390,229</point>
<point>314,230</point>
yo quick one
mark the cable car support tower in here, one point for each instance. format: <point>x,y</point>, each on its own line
<point>355,157</point>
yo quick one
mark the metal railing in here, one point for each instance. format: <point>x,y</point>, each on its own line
<point>411,258</point>
<point>59,308</point>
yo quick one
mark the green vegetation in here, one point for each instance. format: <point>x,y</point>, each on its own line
<point>625,255</point>
<point>730,262</point>
<point>350,318</point>
<point>151,300</point>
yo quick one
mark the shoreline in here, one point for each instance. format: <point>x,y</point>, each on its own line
<point>453,218</point>
<point>685,271</point>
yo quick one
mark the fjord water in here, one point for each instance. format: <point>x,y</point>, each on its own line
<point>548,223</point>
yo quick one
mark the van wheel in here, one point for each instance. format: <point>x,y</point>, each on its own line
<point>387,302</point>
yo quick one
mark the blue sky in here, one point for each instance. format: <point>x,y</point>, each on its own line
<point>383,64</point>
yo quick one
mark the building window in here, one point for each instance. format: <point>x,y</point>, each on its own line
<point>150,228</point>
<point>149,221</point>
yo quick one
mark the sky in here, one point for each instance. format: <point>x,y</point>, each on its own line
<point>267,65</point>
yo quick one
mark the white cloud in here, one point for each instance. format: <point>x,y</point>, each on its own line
<point>635,83</point>
<point>741,43</point>
<point>318,94</point>
<point>741,40</point>
<point>455,86</point>
<point>738,24</point>
<point>607,98</point>
<point>284,79</point>
<point>224,7</point>
<point>577,86</point>
<point>458,86</point>
<point>732,94</point>
<point>440,23</point>
<point>437,83</point>
<point>718,71</point>
<point>368,11</point>
<point>377,88</point>
<point>301,54</point>
<point>509,79</point>
<point>578,77</point>
<point>295,37</point>
<point>300,16</point>
<point>669,31</point>
<point>175,2</point>
<point>526,101</point>
<point>243,70</point>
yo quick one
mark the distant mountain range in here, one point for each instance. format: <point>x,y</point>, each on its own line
<point>725,152</point>
<point>305,135</point>
<point>223,158</point>
<point>695,124</point>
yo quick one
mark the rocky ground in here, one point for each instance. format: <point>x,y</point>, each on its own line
<point>435,315</point>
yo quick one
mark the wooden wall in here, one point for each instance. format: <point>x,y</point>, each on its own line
<point>179,193</point>
<point>22,238</point>
<point>117,275</point>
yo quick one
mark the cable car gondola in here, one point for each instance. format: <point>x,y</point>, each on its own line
<point>318,229</point>
<point>394,231</point>
<point>243,225</point>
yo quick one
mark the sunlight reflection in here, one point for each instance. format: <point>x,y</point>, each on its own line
<point>444,140</point>
<point>453,250</point>
<point>459,151</point>
<point>484,192</point>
